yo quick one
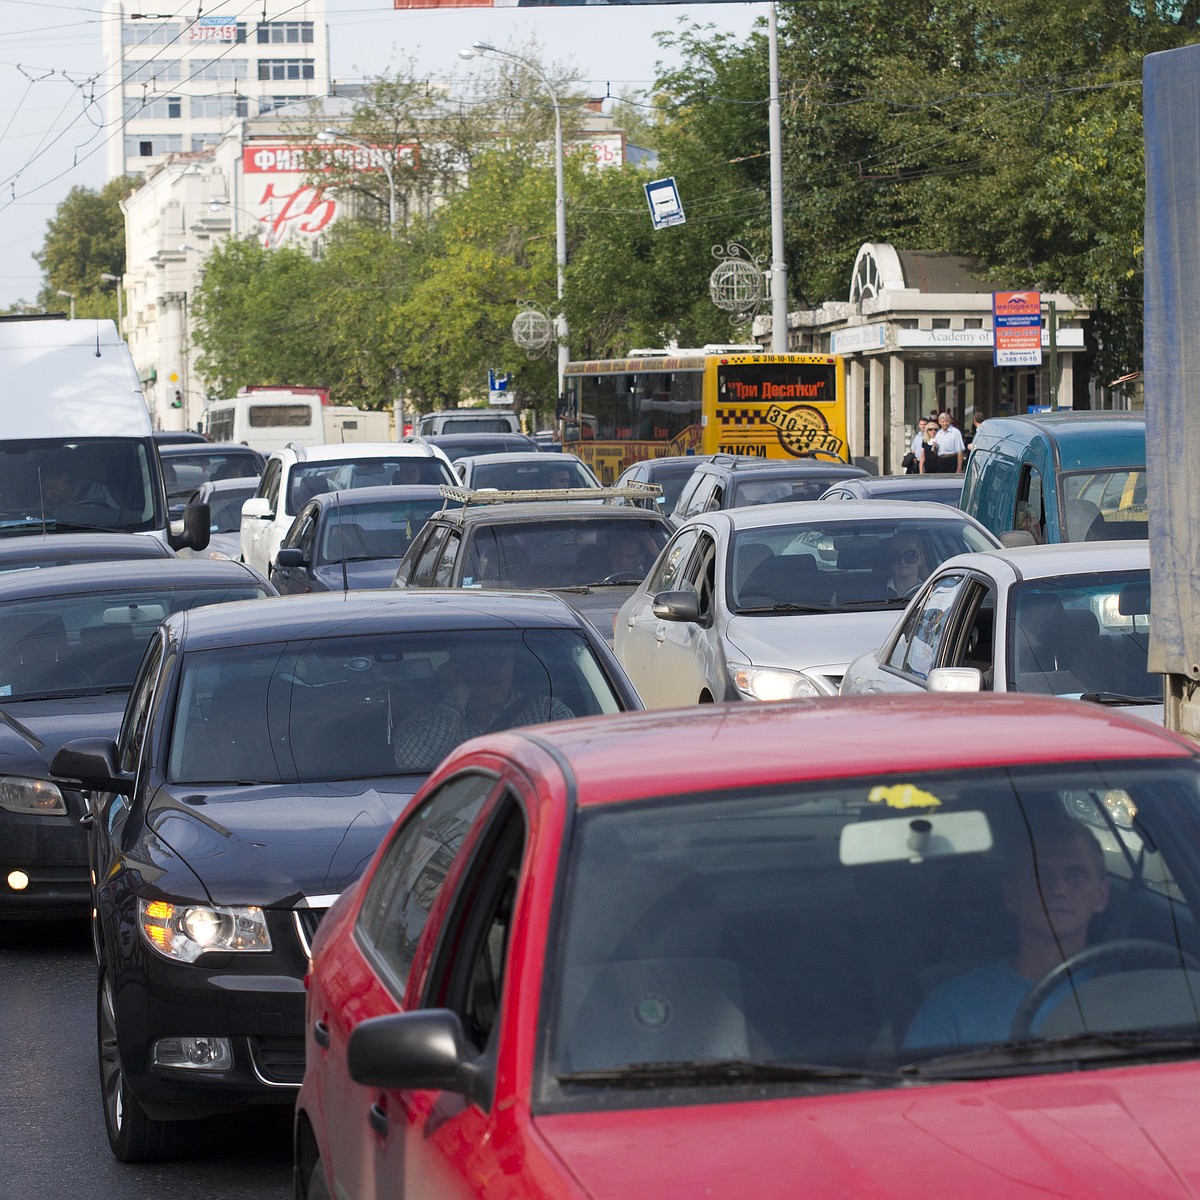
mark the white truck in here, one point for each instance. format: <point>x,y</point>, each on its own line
<point>77,451</point>
<point>268,419</point>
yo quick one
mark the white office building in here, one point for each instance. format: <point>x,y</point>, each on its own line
<point>178,84</point>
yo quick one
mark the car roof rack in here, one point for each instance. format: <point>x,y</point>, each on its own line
<point>469,496</point>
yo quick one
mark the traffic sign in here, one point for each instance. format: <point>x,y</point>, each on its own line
<point>665,206</point>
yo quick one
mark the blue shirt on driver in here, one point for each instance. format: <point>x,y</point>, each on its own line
<point>975,1008</point>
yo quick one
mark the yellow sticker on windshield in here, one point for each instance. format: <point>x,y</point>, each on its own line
<point>903,795</point>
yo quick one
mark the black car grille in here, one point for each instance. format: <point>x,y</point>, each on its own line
<point>306,921</point>
<point>278,1060</point>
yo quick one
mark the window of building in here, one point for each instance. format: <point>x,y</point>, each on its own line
<point>217,107</point>
<point>151,147</point>
<point>220,68</point>
<point>286,68</point>
<point>201,141</point>
<point>285,31</point>
<point>153,70</point>
<point>270,103</point>
<point>142,33</point>
<point>153,108</point>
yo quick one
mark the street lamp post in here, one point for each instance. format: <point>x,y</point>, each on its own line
<point>219,204</point>
<point>68,296</point>
<point>109,278</point>
<point>560,202</point>
<point>334,135</point>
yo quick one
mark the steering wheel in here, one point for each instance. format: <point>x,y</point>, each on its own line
<point>1140,950</point>
<point>624,577</point>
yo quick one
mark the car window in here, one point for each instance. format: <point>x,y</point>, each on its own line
<point>301,530</point>
<point>374,530</point>
<point>698,502</point>
<point>904,638</point>
<point>445,568</point>
<point>975,643</point>
<point>411,872</point>
<point>1030,512</point>
<point>268,486</point>
<point>684,500</point>
<point>930,629</point>
<point>422,571</point>
<point>668,574</point>
<point>137,710</point>
<point>700,575</point>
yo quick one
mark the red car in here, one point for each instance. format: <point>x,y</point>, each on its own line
<point>888,947</point>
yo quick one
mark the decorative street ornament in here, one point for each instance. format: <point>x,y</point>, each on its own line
<point>532,329</point>
<point>736,283</point>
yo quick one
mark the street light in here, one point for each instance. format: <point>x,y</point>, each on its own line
<point>68,296</point>
<point>560,204</point>
<point>108,278</point>
<point>334,135</point>
<point>219,203</point>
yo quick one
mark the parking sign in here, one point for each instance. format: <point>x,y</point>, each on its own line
<point>665,206</point>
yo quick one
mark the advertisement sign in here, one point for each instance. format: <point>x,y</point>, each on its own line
<point>295,158</point>
<point>1017,322</point>
<point>665,206</point>
<point>213,29</point>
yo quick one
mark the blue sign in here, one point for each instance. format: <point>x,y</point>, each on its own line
<point>498,387</point>
<point>665,206</point>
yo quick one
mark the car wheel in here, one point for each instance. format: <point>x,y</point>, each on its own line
<point>132,1135</point>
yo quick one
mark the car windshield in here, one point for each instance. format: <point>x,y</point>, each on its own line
<point>312,479</point>
<point>184,473</point>
<point>381,529</point>
<point>777,489</point>
<point>898,928</point>
<point>97,483</point>
<point>1105,505</point>
<point>225,508</point>
<point>562,553</point>
<point>848,564</point>
<point>538,476</point>
<point>75,645</point>
<point>1082,635</point>
<point>358,707</point>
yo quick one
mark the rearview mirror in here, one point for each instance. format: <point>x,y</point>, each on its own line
<point>1011,539</point>
<point>92,761</point>
<point>955,679</point>
<point>676,606</point>
<point>288,557</point>
<point>197,528</point>
<point>257,506</point>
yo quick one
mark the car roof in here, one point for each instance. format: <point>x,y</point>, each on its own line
<point>217,486</point>
<point>452,440</point>
<point>384,493</point>
<point>709,748</point>
<point>816,512</point>
<point>548,510</point>
<point>671,461</point>
<point>118,574</point>
<point>1064,558</point>
<point>347,451</point>
<point>336,614</point>
<point>888,483</point>
<point>36,547</point>
<point>519,456</point>
<point>207,449</point>
<point>800,466</point>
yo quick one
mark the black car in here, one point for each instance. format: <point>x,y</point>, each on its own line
<point>944,489</point>
<point>187,465</point>
<point>737,481</point>
<point>33,550</point>
<point>593,555</point>
<point>463,445</point>
<point>71,639</point>
<point>265,752</point>
<point>671,473</point>
<point>347,540</point>
<point>177,437</point>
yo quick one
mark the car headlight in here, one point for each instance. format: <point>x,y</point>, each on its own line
<point>38,797</point>
<point>774,683</point>
<point>186,931</point>
<point>216,554</point>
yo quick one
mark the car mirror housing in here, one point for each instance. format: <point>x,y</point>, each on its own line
<point>289,556</point>
<point>676,606</point>
<point>257,506</point>
<point>424,1049</point>
<point>197,528</point>
<point>92,761</point>
<point>1011,539</point>
<point>955,679</point>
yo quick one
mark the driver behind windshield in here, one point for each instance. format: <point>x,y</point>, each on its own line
<point>909,564</point>
<point>1052,894</point>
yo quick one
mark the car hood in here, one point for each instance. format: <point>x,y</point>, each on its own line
<point>26,723</point>
<point>1118,1132</point>
<point>598,604</point>
<point>821,642</point>
<point>271,844</point>
<point>367,573</point>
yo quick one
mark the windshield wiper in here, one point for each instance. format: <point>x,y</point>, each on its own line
<point>730,1070</point>
<point>1068,1049</point>
<point>788,608</point>
<point>1118,698</point>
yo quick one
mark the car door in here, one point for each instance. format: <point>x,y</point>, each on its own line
<point>438,1143</point>
<point>391,921</point>
<point>973,636</point>
<point>689,662</point>
<point>637,639</point>
<point>302,537</point>
<point>254,529</point>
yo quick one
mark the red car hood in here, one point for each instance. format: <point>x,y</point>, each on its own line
<point>1119,1134</point>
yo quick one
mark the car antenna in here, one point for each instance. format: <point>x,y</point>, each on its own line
<point>337,504</point>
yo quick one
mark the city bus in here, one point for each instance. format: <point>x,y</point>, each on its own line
<point>715,400</point>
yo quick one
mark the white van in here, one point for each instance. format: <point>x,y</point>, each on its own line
<point>268,419</point>
<point>76,447</point>
<point>467,420</point>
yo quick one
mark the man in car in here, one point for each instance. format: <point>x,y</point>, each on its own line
<point>1053,894</point>
<point>478,695</point>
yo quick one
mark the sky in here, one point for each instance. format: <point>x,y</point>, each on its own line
<point>50,136</point>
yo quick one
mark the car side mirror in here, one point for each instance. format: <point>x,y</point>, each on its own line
<point>197,528</point>
<point>290,556</point>
<point>420,1050</point>
<point>676,606</point>
<point>1010,539</point>
<point>257,506</point>
<point>955,679</point>
<point>93,761</point>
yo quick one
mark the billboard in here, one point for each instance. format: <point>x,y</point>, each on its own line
<point>1017,322</point>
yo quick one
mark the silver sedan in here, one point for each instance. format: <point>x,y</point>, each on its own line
<point>1067,620</point>
<point>772,602</point>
